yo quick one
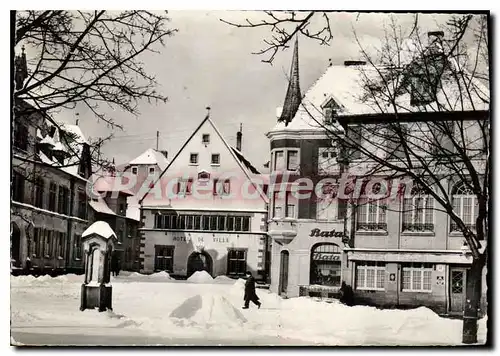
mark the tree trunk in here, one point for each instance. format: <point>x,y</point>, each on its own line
<point>472,301</point>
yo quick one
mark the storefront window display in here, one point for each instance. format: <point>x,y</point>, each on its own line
<point>326,265</point>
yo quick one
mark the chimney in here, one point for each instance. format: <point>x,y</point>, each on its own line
<point>354,63</point>
<point>238,138</point>
<point>165,153</point>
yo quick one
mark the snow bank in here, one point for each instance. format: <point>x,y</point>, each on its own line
<point>160,276</point>
<point>207,311</point>
<point>224,280</point>
<point>200,277</point>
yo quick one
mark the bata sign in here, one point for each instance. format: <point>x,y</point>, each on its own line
<point>319,256</point>
<point>333,233</point>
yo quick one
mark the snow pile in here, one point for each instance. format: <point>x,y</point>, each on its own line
<point>71,278</point>
<point>207,311</point>
<point>160,276</point>
<point>224,280</point>
<point>200,277</point>
<point>238,287</point>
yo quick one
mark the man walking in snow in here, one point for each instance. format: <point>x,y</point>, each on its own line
<point>250,295</point>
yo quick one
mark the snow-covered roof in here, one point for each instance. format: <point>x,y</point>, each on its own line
<point>72,144</point>
<point>100,206</point>
<point>100,228</point>
<point>108,183</point>
<point>151,157</point>
<point>345,85</point>
<point>245,161</point>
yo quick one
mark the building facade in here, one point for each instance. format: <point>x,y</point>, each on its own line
<point>392,254</point>
<point>196,216</point>
<point>50,168</point>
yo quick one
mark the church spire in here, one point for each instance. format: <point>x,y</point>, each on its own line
<point>293,96</point>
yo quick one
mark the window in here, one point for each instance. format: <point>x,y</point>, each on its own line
<point>236,262</point>
<point>222,187</point>
<point>37,244</point>
<point>326,205</point>
<point>370,276</point>
<point>245,223</point>
<point>151,170</point>
<point>277,205</point>
<point>61,239</point>
<point>18,187</point>
<point>193,158</point>
<point>205,139</point>
<point>395,146</point>
<point>221,223</point>
<point>20,136</point>
<point>371,215</point>
<point>184,187</point>
<point>212,222</point>
<point>354,142</point>
<point>465,206</point>
<point>325,265</point>
<point>82,205</point>
<point>327,160</point>
<point>279,163</point>
<point>417,277</point>
<point>293,160</point>
<point>77,247</point>
<point>418,212</point>
<point>63,203</point>
<point>134,170</point>
<point>52,196</point>
<point>164,258</point>
<point>39,192</point>
<point>216,159</point>
<point>47,247</point>
<point>291,205</point>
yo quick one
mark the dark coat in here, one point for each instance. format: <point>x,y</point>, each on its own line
<point>250,289</point>
<point>346,295</point>
<point>115,263</point>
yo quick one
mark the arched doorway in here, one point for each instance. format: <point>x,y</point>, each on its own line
<point>283,281</point>
<point>199,261</point>
<point>15,245</point>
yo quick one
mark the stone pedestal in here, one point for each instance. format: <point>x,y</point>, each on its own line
<point>96,296</point>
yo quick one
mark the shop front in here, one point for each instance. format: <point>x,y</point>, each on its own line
<point>311,258</point>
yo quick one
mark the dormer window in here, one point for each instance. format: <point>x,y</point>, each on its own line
<point>205,139</point>
<point>134,170</point>
<point>151,170</point>
<point>330,109</point>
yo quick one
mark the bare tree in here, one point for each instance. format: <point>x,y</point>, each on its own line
<point>91,58</point>
<point>429,121</point>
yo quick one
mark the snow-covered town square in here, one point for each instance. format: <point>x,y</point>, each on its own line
<point>250,178</point>
<point>155,309</point>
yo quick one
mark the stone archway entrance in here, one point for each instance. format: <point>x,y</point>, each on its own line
<point>199,261</point>
<point>15,245</point>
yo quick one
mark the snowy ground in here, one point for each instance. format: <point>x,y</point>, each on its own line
<point>158,310</point>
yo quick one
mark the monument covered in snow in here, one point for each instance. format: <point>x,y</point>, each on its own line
<point>98,244</point>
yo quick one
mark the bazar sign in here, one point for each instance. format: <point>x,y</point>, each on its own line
<point>318,256</point>
<point>333,233</point>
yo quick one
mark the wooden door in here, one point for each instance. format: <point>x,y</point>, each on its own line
<point>283,284</point>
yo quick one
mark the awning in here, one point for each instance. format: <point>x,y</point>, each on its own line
<point>446,257</point>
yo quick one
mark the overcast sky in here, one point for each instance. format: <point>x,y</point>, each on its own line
<point>209,63</point>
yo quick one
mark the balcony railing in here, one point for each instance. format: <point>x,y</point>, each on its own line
<point>372,226</point>
<point>412,227</point>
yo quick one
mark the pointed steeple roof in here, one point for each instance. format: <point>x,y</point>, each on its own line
<point>293,96</point>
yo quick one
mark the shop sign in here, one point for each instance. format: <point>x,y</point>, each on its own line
<point>333,233</point>
<point>222,240</point>
<point>179,238</point>
<point>318,256</point>
<point>392,277</point>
